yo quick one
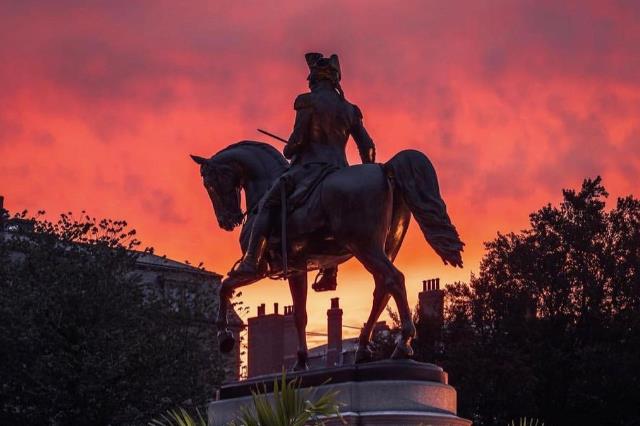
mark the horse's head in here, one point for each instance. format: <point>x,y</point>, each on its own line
<point>222,182</point>
<point>246,165</point>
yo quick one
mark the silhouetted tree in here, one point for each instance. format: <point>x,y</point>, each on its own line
<point>81,341</point>
<point>550,327</point>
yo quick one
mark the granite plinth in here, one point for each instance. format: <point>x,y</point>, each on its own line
<point>377,393</point>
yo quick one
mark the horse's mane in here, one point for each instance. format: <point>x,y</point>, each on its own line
<point>271,151</point>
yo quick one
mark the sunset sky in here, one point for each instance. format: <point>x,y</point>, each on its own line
<point>102,102</point>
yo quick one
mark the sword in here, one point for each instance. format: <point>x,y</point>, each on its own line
<point>273,136</point>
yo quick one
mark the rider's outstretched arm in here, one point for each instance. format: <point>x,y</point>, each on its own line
<point>366,147</point>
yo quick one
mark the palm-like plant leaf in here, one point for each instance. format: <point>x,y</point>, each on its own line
<point>524,422</point>
<point>288,406</point>
<point>179,417</point>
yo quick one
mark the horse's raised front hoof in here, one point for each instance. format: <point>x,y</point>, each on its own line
<point>403,350</point>
<point>301,363</point>
<point>363,354</point>
<point>226,341</point>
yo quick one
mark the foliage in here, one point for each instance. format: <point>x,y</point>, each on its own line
<point>287,405</point>
<point>551,324</point>
<point>290,406</point>
<point>180,417</point>
<point>80,336</point>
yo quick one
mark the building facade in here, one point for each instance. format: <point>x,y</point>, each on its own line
<point>192,291</point>
<point>272,338</point>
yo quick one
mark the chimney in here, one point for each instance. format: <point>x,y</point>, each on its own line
<point>289,338</point>
<point>431,301</point>
<point>267,338</point>
<point>431,314</point>
<point>334,333</point>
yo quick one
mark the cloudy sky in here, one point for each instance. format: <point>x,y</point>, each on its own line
<point>101,103</point>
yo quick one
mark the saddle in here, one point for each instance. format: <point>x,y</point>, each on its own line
<point>301,216</point>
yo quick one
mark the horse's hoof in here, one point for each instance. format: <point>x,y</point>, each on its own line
<point>301,363</point>
<point>300,366</point>
<point>402,351</point>
<point>226,341</point>
<point>363,354</point>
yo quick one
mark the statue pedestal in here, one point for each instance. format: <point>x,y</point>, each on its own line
<point>377,393</point>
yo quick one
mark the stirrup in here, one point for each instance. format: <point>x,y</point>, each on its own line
<point>237,267</point>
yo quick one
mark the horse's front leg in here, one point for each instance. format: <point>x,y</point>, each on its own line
<point>225,336</point>
<point>298,287</point>
<point>226,341</point>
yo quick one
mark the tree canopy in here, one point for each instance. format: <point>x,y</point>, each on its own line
<point>81,340</point>
<point>550,326</point>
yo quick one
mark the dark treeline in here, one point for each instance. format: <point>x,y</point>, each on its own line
<point>81,341</point>
<point>550,326</point>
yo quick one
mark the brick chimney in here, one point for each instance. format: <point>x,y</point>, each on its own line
<point>272,341</point>
<point>431,300</point>
<point>431,316</point>
<point>334,333</point>
<point>265,342</point>
<point>290,338</point>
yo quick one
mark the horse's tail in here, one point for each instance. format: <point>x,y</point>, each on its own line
<point>415,179</point>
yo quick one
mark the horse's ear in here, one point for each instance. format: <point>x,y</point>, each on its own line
<point>199,160</point>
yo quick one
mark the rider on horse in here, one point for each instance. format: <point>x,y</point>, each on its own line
<point>316,147</point>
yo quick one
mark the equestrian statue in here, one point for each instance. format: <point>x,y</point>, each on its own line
<point>315,211</point>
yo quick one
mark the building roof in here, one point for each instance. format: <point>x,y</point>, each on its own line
<point>153,261</point>
<point>350,344</point>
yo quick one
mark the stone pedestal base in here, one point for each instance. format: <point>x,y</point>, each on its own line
<point>379,393</point>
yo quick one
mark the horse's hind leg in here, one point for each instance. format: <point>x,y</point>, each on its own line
<point>380,299</point>
<point>298,287</point>
<point>389,281</point>
<point>399,293</point>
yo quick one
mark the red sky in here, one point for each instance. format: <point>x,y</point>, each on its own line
<point>101,103</point>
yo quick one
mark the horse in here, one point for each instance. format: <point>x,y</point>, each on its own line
<point>360,211</point>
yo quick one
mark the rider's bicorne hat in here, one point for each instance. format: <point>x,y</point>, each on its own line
<point>324,68</point>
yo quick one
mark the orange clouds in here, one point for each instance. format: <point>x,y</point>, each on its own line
<point>100,105</point>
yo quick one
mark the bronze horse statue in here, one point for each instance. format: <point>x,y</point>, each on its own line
<point>362,211</point>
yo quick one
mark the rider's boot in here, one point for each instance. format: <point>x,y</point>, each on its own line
<point>326,280</point>
<point>247,270</point>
